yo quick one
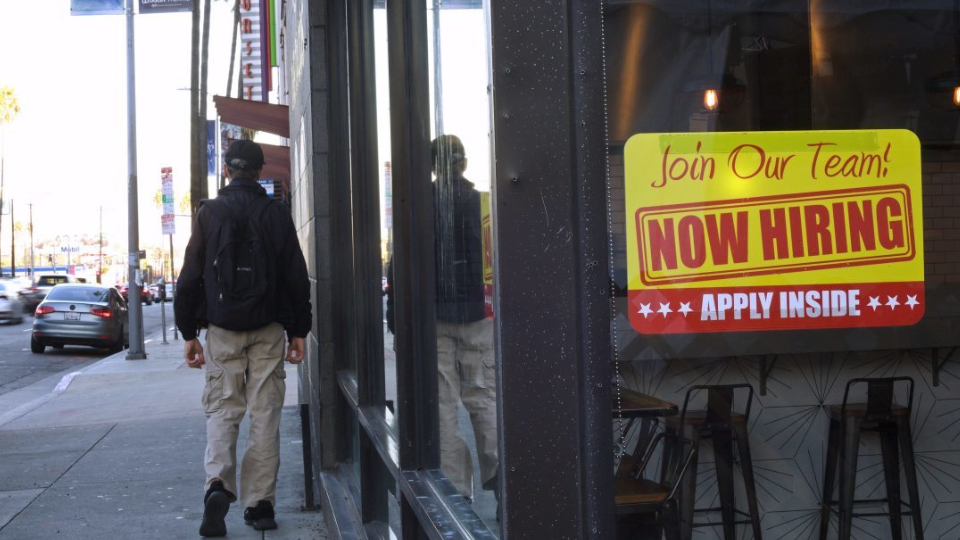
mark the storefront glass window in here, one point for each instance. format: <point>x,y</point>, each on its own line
<point>386,198</point>
<point>461,178</point>
<point>733,123</point>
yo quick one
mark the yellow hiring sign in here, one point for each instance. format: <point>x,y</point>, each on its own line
<point>486,225</point>
<point>795,224</point>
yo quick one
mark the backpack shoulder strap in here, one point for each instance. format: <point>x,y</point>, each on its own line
<point>257,208</point>
<point>215,206</point>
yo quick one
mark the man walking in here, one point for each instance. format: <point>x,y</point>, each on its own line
<point>245,280</point>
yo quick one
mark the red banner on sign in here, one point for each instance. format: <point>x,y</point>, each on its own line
<point>736,309</point>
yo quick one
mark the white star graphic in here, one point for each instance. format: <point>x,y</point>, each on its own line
<point>645,310</point>
<point>685,308</point>
<point>874,302</point>
<point>892,302</point>
<point>912,301</point>
<point>664,309</point>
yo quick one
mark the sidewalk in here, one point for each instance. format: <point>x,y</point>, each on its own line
<point>115,451</point>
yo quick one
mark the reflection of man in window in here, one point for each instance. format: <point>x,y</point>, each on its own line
<point>464,333</point>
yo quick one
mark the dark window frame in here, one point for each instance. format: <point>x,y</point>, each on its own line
<point>559,445</point>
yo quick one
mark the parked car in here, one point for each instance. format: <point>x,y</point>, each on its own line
<point>80,314</point>
<point>145,295</point>
<point>11,305</point>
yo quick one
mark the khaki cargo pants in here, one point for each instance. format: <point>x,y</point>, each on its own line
<point>244,371</point>
<point>466,374</point>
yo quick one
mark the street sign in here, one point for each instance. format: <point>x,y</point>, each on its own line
<point>142,254</point>
<point>165,6</point>
<point>167,221</point>
<point>96,7</point>
<point>268,186</point>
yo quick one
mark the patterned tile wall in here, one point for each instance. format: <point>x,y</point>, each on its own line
<point>788,434</point>
<point>788,426</point>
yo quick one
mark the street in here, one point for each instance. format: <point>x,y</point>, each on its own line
<point>20,368</point>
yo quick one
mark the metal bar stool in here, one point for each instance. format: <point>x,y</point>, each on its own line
<point>892,422</point>
<point>636,495</point>
<point>725,428</point>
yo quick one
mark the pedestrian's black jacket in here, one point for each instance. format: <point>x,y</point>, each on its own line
<point>459,251</point>
<point>288,293</point>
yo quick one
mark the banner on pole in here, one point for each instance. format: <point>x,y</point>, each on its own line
<point>211,148</point>
<point>96,7</point>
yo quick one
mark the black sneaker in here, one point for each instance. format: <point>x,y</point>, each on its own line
<point>261,517</point>
<point>216,503</point>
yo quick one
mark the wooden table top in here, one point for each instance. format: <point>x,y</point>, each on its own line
<point>634,404</point>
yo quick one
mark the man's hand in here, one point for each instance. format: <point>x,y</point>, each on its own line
<point>193,353</point>
<point>295,350</point>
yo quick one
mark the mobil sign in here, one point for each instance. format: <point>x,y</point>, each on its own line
<point>757,231</point>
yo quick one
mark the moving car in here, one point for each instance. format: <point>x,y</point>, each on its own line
<point>43,283</point>
<point>80,314</point>
<point>145,295</point>
<point>11,307</point>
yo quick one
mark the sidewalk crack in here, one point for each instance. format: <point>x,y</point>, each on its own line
<point>92,446</point>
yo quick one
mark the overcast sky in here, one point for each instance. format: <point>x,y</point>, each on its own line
<point>66,152</point>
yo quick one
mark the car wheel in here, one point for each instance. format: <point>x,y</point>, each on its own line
<point>117,345</point>
<point>35,346</point>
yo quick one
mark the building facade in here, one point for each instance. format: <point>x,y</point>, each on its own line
<point>570,113</point>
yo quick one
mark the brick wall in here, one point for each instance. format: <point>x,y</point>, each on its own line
<point>941,221</point>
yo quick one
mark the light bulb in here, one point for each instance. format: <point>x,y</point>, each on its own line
<point>711,100</point>
<point>956,95</point>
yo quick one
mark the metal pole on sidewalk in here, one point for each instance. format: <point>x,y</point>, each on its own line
<point>134,281</point>
<point>173,286</point>
<point>163,304</point>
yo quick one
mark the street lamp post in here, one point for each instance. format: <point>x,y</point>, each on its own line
<point>136,350</point>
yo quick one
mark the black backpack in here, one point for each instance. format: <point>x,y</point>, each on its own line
<point>240,265</point>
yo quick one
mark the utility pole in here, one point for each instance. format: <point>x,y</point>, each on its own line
<point>136,350</point>
<point>100,256</point>
<point>32,264</point>
<point>13,243</point>
<point>196,186</point>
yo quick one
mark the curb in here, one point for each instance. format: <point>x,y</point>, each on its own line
<point>60,388</point>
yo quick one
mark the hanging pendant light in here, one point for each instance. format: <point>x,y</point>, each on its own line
<point>711,100</point>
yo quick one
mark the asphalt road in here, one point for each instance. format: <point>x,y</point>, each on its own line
<point>19,367</point>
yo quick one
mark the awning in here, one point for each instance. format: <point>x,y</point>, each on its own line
<point>261,117</point>
<point>277,163</point>
<point>254,115</point>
